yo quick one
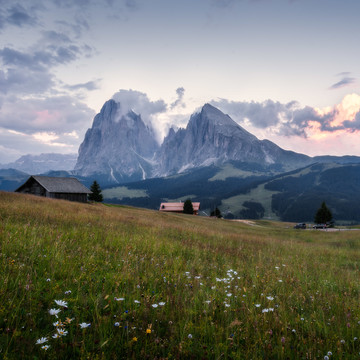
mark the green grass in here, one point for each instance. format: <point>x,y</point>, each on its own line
<point>121,192</point>
<point>258,194</point>
<point>231,290</point>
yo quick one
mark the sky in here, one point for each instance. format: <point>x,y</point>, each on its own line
<point>285,70</point>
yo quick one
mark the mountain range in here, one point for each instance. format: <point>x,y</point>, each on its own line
<point>213,160</point>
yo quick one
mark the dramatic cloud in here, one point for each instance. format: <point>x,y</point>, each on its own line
<point>139,103</point>
<point>293,120</point>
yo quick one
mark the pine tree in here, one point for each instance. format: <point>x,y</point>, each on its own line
<point>216,213</point>
<point>188,207</point>
<point>96,194</point>
<point>323,215</point>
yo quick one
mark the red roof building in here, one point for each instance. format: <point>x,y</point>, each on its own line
<point>178,207</point>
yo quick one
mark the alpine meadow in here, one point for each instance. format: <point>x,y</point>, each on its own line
<point>93,281</point>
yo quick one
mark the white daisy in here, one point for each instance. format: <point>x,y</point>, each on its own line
<point>45,347</point>
<point>54,312</point>
<point>162,303</point>
<point>41,340</point>
<point>61,303</point>
<point>154,305</point>
<point>84,325</point>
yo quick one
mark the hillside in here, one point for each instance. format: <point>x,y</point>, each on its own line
<point>135,283</point>
<point>252,191</point>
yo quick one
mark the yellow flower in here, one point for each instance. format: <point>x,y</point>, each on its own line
<point>148,331</point>
<point>134,338</point>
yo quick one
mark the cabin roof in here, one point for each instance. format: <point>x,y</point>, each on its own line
<point>59,184</point>
<point>177,206</point>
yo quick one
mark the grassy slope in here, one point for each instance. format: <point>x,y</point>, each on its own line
<point>100,253</point>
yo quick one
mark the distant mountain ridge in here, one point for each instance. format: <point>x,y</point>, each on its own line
<point>119,147</point>
<point>38,164</point>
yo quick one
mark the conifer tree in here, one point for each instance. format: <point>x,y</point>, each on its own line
<point>96,194</point>
<point>323,215</point>
<point>188,207</point>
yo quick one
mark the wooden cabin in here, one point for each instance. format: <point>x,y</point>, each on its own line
<point>55,187</point>
<point>178,207</point>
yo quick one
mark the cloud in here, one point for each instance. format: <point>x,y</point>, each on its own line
<point>139,103</point>
<point>19,16</point>
<point>58,114</point>
<point>90,86</point>
<point>345,81</point>
<point>180,95</point>
<point>290,119</point>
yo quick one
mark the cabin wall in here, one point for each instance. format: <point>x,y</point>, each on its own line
<point>33,187</point>
<point>68,196</point>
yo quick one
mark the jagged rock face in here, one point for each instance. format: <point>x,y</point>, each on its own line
<point>118,146</point>
<point>213,137</point>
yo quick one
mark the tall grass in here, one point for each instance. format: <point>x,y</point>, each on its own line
<point>154,285</point>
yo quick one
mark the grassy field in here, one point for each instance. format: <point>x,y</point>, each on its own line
<point>91,281</point>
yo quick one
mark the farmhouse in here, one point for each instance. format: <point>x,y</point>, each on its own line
<point>55,187</point>
<point>178,207</point>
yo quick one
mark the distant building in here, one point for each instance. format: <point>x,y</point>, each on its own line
<point>55,187</point>
<point>178,207</point>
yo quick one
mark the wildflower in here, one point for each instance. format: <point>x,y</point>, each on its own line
<point>84,325</point>
<point>117,324</point>
<point>326,357</point>
<point>48,279</point>
<point>162,303</point>
<point>280,281</point>
<point>61,303</point>
<point>119,299</point>
<point>293,331</point>
<point>68,320</point>
<point>342,341</point>
<point>136,301</point>
<point>55,336</point>
<point>154,305</point>
<point>270,298</point>
<point>134,339</point>
<point>355,338</point>
<point>302,319</point>
<point>190,336</point>
<point>208,301</point>
<point>45,347</point>
<point>257,305</point>
<point>265,310</point>
<point>148,331</point>
<point>58,323</point>
<point>62,332</point>
<point>54,312</point>
<point>67,292</point>
<point>229,294</point>
<point>41,340</point>
<point>329,353</point>
<point>283,340</point>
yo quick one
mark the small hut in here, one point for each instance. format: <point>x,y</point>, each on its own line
<point>55,187</point>
<point>178,207</point>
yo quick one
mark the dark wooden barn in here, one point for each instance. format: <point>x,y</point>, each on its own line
<point>55,187</point>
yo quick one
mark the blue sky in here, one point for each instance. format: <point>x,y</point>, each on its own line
<point>286,70</point>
